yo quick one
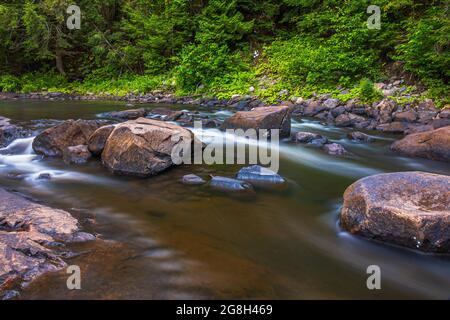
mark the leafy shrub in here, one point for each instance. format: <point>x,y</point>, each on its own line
<point>9,83</point>
<point>426,53</point>
<point>201,64</point>
<point>367,91</point>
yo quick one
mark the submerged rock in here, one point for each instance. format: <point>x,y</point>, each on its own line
<point>52,141</point>
<point>27,231</point>
<point>144,147</point>
<point>9,132</point>
<point>359,136</point>
<point>433,144</point>
<point>165,114</point>
<point>131,114</point>
<point>76,154</point>
<point>97,140</point>
<point>259,175</point>
<point>410,209</point>
<point>192,179</point>
<point>211,123</point>
<point>334,149</point>
<point>44,176</point>
<point>310,138</point>
<point>228,184</point>
<point>276,117</point>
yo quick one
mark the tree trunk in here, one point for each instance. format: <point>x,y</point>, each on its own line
<point>59,62</point>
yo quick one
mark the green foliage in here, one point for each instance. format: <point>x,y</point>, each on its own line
<point>367,91</point>
<point>221,47</point>
<point>233,83</point>
<point>308,61</point>
<point>426,51</point>
<point>9,83</point>
<point>201,64</point>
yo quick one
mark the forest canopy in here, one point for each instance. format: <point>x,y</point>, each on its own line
<point>221,47</point>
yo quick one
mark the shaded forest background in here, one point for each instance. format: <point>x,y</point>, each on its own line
<point>222,48</point>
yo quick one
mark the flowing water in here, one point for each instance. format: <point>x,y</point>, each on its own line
<point>164,240</point>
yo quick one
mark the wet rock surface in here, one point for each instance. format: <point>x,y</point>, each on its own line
<point>52,141</point>
<point>165,114</point>
<point>258,175</point>
<point>10,132</point>
<point>410,209</point>
<point>97,140</point>
<point>310,138</point>
<point>433,145</point>
<point>143,147</point>
<point>359,136</point>
<point>76,154</point>
<point>262,118</point>
<point>229,184</point>
<point>192,179</point>
<point>28,234</point>
<point>130,114</point>
<point>334,149</point>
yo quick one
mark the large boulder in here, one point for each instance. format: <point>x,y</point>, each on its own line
<point>278,117</point>
<point>53,141</point>
<point>433,144</point>
<point>143,147</point>
<point>30,237</point>
<point>410,209</point>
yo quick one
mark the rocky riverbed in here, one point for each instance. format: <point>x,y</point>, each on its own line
<point>400,111</point>
<point>124,143</point>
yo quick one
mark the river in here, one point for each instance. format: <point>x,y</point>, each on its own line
<point>165,240</point>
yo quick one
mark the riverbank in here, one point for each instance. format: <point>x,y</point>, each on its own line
<point>395,111</point>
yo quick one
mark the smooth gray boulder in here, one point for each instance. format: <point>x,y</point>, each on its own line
<point>410,209</point>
